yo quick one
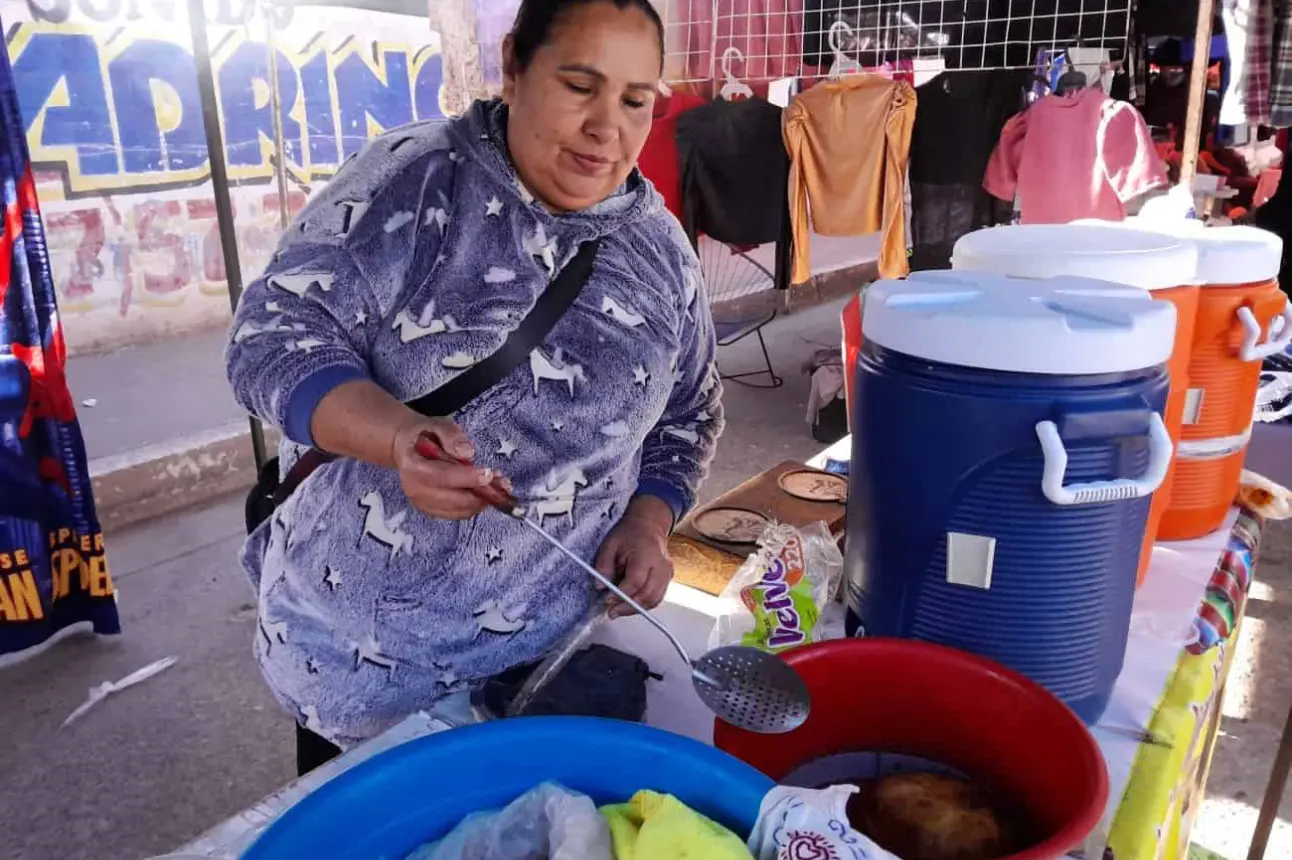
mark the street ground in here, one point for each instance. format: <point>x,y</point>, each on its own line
<point>151,768</point>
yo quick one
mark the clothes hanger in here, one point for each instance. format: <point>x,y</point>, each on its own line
<point>731,85</point>
<point>1072,81</point>
<point>843,64</point>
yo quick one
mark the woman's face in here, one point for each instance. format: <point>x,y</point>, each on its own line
<point>580,113</point>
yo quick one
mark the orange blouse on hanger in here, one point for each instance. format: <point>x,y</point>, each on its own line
<point>849,141</point>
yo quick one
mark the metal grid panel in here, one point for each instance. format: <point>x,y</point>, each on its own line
<point>760,40</point>
<point>688,39</point>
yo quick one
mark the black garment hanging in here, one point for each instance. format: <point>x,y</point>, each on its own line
<point>1168,17</point>
<point>735,172</point>
<point>958,121</point>
<point>1276,216</point>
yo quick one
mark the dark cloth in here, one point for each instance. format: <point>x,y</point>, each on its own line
<point>1167,17</point>
<point>958,120</point>
<point>1167,106</point>
<point>312,750</point>
<point>941,214</point>
<point>599,681</point>
<point>735,172</point>
<point>1276,216</point>
<point>957,124</point>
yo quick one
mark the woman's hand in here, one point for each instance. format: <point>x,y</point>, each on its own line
<point>436,488</point>
<point>359,419</point>
<point>635,554</point>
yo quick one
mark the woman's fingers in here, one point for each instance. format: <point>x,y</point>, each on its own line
<point>637,572</point>
<point>607,561</point>
<point>657,585</point>
<point>441,488</point>
<point>646,581</point>
<point>444,489</point>
<point>437,473</point>
<point>446,502</point>
<point>450,437</point>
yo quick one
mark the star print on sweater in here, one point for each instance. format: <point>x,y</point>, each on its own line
<point>370,610</point>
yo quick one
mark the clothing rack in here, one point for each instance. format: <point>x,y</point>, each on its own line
<point>791,38</point>
<point>1197,93</point>
<point>220,183</point>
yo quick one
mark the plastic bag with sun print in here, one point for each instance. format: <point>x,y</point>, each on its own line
<point>810,824</point>
<point>775,600</point>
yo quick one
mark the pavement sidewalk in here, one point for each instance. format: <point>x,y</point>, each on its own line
<point>161,429</point>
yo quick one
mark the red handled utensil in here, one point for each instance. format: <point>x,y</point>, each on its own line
<point>749,688</point>
<point>495,493</point>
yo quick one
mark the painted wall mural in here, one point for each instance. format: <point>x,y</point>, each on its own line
<point>108,90</point>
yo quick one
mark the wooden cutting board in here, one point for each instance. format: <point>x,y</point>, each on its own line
<point>700,566</point>
<point>763,494</point>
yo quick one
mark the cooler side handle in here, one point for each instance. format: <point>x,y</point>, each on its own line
<point>1056,464</point>
<point>1249,350</point>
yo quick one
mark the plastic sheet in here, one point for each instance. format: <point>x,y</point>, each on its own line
<point>546,823</point>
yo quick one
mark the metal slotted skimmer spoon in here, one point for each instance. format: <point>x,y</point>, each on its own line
<point>746,687</point>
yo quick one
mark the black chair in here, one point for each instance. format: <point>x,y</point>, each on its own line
<point>742,299</point>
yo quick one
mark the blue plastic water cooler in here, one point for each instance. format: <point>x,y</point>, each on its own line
<point>1007,436</point>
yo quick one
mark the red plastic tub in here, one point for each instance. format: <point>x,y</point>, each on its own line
<point>951,707</point>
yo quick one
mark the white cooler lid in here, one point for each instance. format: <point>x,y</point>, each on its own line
<point>1066,325</point>
<point>1149,260</point>
<point>1228,255</point>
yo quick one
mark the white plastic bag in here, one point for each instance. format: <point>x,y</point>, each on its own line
<point>775,600</point>
<point>546,823</point>
<point>798,823</point>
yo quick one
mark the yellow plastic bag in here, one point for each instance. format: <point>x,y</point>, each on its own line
<point>654,826</point>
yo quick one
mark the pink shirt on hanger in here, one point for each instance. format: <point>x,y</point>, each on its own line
<point>1067,158</point>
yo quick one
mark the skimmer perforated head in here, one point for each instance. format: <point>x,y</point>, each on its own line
<point>752,690</point>
<point>744,686</point>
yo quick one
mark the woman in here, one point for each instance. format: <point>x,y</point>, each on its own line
<point>382,585</point>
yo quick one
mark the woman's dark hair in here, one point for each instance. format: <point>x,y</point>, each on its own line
<point>536,19</point>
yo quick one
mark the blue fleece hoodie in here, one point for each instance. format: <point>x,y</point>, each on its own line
<point>416,261</point>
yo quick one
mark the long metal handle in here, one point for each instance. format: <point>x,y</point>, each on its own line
<point>498,495</point>
<point>619,592</point>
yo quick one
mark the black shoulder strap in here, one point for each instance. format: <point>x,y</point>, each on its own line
<point>457,392</point>
<point>542,318</point>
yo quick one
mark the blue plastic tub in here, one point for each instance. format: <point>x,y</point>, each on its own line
<point>385,808</point>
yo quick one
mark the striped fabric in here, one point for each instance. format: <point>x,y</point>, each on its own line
<point>1281,66</point>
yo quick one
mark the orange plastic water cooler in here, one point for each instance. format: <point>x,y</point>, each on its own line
<point>1243,318</point>
<point>1164,265</point>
